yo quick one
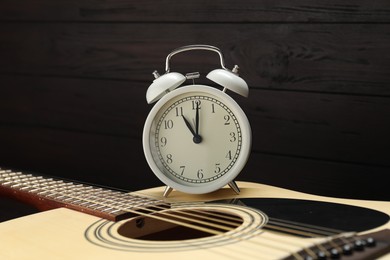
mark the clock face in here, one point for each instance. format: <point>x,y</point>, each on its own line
<point>195,137</point>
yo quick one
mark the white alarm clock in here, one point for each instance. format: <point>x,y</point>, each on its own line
<point>196,138</point>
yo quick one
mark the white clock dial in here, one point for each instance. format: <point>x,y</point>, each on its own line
<point>197,139</point>
<point>203,156</point>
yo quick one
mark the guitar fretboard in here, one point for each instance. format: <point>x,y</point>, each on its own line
<point>48,193</point>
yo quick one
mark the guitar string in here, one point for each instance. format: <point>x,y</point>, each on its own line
<point>210,231</point>
<point>44,187</point>
<point>306,230</point>
<point>16,182</point>
<point>317,230</point>
<point>40,186</point>
<point>290,230</point>
<point>293,230</point>
<point>161,208</point>
<point>58,192</point>
<point>292,227</point>
<point>311,229</point>
<point>93,201</point>
<point>220,215</point>
<point>296,224</point>
<point>324,231</point>
<point>137,212</point>
<point>98,197</point>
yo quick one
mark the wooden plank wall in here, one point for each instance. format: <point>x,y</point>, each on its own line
<point>73,77</point>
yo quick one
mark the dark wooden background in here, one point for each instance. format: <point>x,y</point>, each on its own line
<point>73,78</point>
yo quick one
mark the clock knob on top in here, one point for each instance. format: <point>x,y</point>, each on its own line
<point>229,80</point>
<point>171,80</point>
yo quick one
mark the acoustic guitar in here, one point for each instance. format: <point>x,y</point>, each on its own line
<point>81,221</point>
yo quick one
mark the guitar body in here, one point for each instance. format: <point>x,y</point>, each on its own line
<point>64,233</point>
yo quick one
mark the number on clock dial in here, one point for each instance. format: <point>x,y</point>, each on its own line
<point>218,128</point>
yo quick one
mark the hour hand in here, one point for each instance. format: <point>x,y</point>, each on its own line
<point>189,126</point>
<point>197,138</point>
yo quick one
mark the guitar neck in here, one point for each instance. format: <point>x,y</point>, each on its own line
<point>48,193</point>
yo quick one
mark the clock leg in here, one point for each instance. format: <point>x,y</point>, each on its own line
<point>233,186</point>
<point>167,191</point>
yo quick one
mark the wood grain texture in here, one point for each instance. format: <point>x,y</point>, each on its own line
<point>300,124</point>
<point>323,58</point>
<point>196,11</point>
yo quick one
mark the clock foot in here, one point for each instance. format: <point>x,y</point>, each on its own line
<point>167,191</point>
<point>233,186</point>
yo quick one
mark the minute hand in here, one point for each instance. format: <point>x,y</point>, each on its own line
<point>197,119</point>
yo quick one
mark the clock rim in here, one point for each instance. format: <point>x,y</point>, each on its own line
<point>229,176</point>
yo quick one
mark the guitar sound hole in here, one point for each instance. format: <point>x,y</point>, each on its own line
<point>152,229</point>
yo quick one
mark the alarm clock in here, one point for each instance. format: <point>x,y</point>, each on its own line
<point>196,138</point>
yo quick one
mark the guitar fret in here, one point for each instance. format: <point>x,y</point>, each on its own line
<point>104,209</point>
<point>92,205</point>
<point>77,201</point>
<point>6,172</point>
<point>41,184</point>
<point>60,197</point>
<point>51,195</point>
<point>25,188</point>
<point>42,193</point>
<point>9,179</point>
<point>69,199</point>
<point>16,185</point>
<point>35,190</point>
<point>115,211</point>
<point>110,203</point>
<point>99,207</point>
<point>85,203</point>
<point>107,209</point>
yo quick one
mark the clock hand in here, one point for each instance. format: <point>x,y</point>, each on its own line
<point>197,138</point>
<point>189,126</point>
<point>197,119</point>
